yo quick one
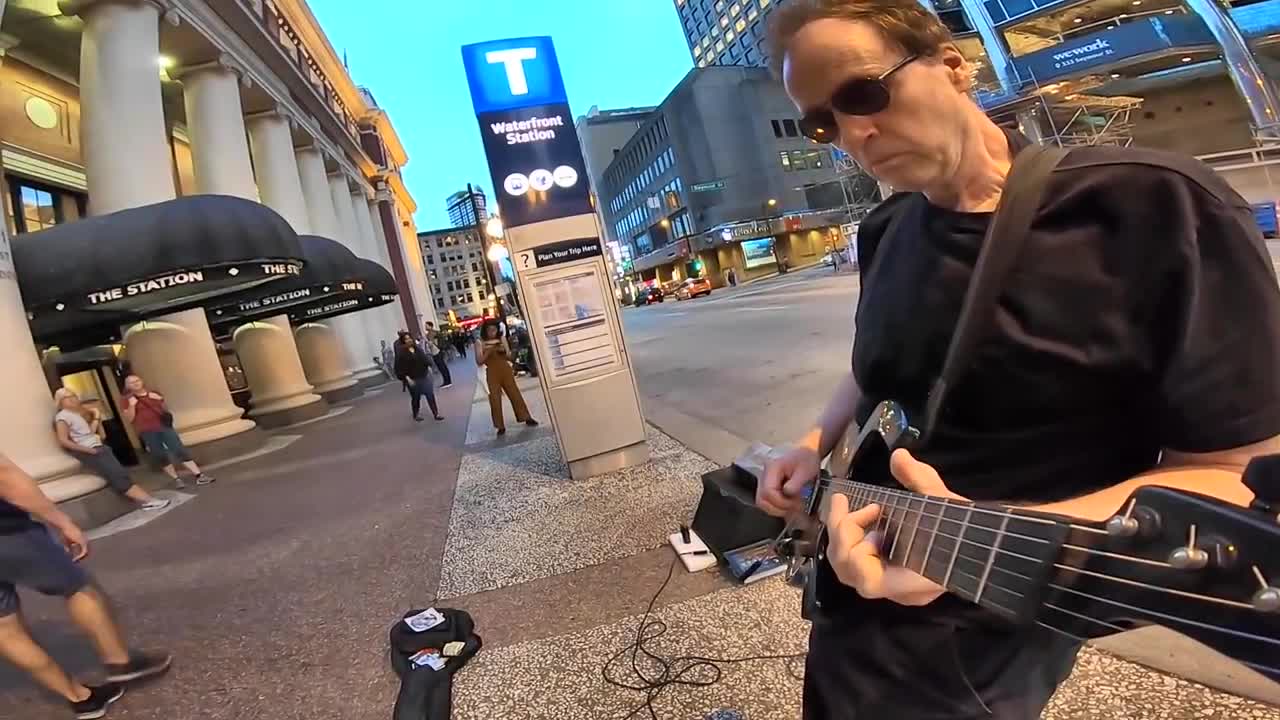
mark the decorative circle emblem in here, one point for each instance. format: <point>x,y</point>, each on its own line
<point>42,113</point>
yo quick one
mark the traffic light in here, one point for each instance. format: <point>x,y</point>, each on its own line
<point>697,266</point>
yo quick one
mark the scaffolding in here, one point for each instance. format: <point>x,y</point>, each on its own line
<point>1084,119</point>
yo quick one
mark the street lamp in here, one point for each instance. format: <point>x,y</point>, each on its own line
<point>497,252</point>
<point>772,202</point>
<point>494,227</point>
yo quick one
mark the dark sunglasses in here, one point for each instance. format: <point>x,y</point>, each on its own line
<point>856,96</point>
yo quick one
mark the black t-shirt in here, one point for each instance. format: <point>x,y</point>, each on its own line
<point>1143,313</point>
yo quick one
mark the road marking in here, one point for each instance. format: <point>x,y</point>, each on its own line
<point>760,307</point>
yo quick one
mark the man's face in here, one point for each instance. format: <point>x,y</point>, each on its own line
<point>133,383</point>
<point>916,141</point>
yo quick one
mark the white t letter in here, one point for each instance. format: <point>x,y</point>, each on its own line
<point>513,62</point>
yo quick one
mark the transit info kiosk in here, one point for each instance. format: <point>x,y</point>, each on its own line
<point>540,182</point>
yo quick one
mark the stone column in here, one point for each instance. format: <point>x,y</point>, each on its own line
<point>127,164</point>
<point>278,181</point>
<point>323,356</point>
<point>325,362</point>
<point>350,326</point>
<point>395,316</point>
<point>122,129</point>
<point>281,394</point>
<point>26,436</point>
<point>315,189</point>
<point>219,152</point>
<point>376,324</point>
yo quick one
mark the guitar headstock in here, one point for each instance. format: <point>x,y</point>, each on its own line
<point>1194,564</point>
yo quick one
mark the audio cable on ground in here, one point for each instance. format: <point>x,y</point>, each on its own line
<point>684,670</point>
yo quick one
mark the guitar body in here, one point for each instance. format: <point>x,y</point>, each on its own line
<point>1194,564</point>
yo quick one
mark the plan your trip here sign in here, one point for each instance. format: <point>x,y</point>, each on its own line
<point>534,157</point>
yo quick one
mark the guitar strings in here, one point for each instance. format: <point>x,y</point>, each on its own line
<point>1111,626</point>
<point>864,495</point>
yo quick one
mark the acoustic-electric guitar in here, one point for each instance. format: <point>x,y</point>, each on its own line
<point>1196,565</point>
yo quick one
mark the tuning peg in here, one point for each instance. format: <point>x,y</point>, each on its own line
<point>1267,599</point>
<point>1190,557</point>
<point>1262,476</point>
<point>1142,522</point>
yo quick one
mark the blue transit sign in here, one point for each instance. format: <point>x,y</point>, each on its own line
<point>535,160</point>
<point>513,73</point>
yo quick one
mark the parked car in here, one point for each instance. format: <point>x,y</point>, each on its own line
<point>692,288</point>
<point>647,296</point>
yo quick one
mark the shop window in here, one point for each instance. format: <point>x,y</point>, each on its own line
<point>785,159</point>
<point>798,160</point>
<point>789,128</point>
<point>777,128</point>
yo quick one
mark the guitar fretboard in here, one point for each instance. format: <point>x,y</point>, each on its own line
<point>997,557</point>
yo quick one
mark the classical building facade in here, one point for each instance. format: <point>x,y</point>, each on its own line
<point>107,106</point>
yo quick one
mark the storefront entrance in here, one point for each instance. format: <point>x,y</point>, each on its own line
<point>96,376</point>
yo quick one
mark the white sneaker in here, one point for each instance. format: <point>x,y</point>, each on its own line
<point>156,504</point>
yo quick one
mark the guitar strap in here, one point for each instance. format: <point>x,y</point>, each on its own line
<point>1010,225</point>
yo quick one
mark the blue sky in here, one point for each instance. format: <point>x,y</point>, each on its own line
<point>613,53</point>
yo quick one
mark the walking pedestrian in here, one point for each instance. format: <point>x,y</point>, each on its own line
<point>30,556</point>
<point>146,409</point>
<point>434,345</point>
<point>413,367</point>
<point>493,353</point>
<point>461,339</point>
<point>80,433</point>
<point>387,360</point>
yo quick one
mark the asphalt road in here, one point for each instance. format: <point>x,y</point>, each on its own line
<point>757,361</point>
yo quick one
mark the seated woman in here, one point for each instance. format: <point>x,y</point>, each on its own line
<point>80,432</point>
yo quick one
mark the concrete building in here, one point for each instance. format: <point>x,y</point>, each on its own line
<point>110,109</point>
<point>725,32</point>
<point>603,134</point>
<point>721,151</point>
<point>462,211</point>
<point>456,274</point>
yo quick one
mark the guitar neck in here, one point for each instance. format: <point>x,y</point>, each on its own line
<point>995,556</point>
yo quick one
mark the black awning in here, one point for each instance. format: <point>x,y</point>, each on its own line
<point>330,269</point>
<point>378,289</point>
<point>149,261</point>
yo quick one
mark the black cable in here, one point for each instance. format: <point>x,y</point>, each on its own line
<point>675,670</point>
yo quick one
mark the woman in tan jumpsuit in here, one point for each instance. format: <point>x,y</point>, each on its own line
<point>494,355</point>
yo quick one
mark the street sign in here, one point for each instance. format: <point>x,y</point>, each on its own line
<point>535,160</point>
<point>707,186</point>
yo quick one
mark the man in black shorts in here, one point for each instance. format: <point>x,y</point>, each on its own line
<point>1136,342</point>
<point>31,557</point>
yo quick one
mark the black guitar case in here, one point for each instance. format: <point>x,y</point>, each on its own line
<point>427,694</point>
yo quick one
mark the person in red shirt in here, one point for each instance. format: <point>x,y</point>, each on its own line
<point>145,408</point>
